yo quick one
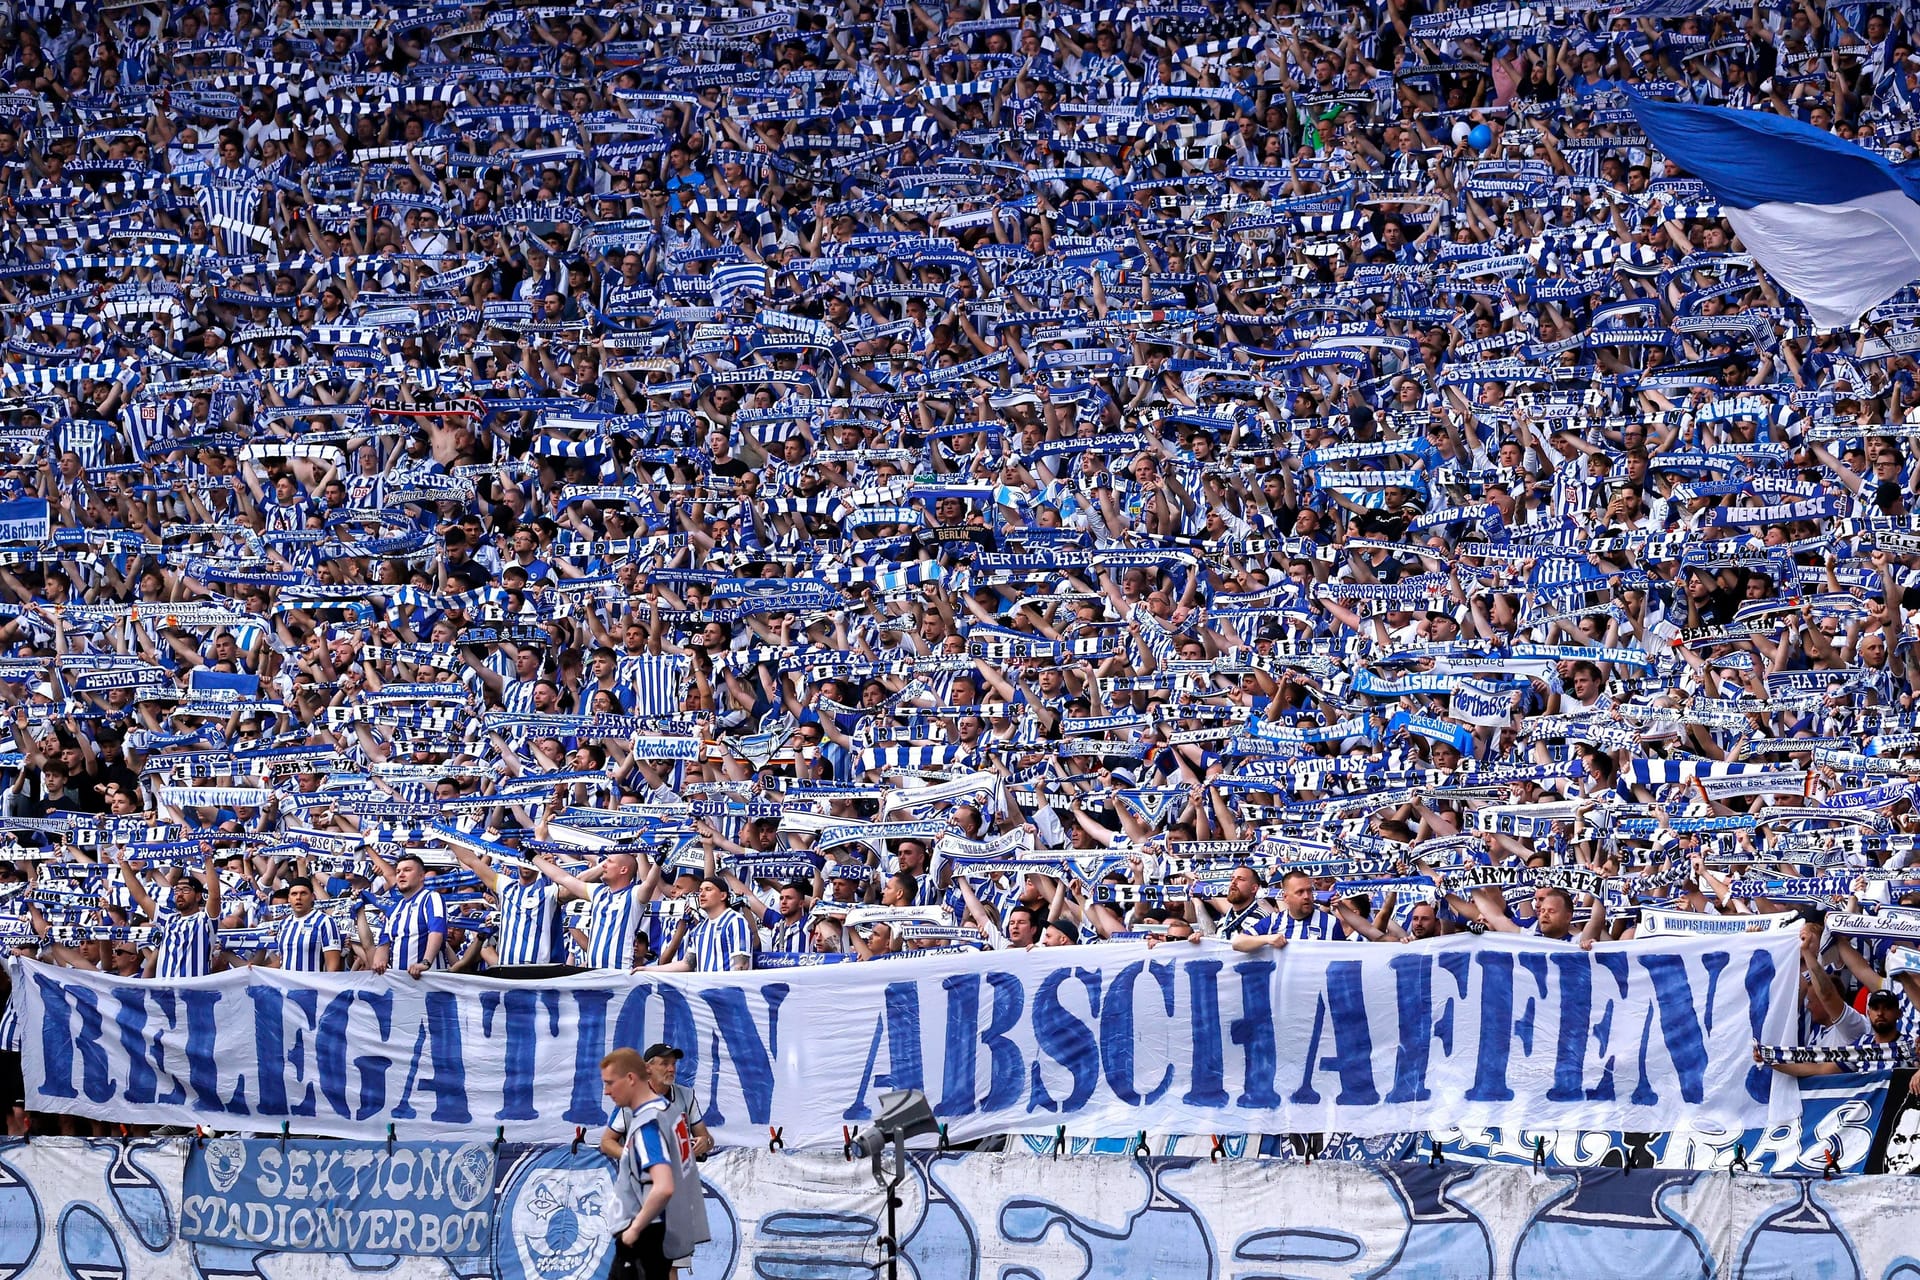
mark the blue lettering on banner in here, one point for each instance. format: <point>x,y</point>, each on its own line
<point>1481,702</point>
<point>423,1198</point>
<point>25,520</point>
<point>1323,1037</point>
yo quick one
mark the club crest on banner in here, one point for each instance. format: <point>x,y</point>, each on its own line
<point>550,1221</point>
<point>1154,804</point>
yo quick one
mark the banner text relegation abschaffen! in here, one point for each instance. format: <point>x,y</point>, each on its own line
<point>1319,1037</point>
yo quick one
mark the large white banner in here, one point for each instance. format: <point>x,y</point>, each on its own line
<point>1319,1037</point>
<point>108,1210</point>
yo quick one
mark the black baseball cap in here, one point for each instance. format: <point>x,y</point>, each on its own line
<point>663,1051</point>
<point>1883,998</point>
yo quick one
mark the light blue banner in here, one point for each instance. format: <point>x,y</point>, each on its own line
<point>433,1199</point>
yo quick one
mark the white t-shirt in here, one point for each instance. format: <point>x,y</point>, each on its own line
<point>1844,1030</point>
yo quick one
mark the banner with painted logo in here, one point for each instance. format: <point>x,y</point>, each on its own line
<point>1318,1038</point>
<point>99,1209</point>
<point>419,1198</point>
<point>551,1219</point>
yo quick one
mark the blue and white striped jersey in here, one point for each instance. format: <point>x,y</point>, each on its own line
<point>529,923</point>
<point>185,946</point>
<point>656,681</point>
<point>305,940</point>
<point>712,944</point>
<point>412,922</point>
<point>1321,924</point>
<point>614,916</point>
<point>782,936</point>
<point>516,696</point>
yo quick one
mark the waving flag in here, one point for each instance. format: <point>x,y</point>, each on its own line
<point>1837,225</point>
<point>734,280</point>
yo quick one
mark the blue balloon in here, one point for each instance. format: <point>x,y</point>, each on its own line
<point>1480,137</point>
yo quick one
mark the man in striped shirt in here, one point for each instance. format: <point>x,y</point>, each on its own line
<point>1881,1026</point>
<point>721,940</point>
<point>415,932</point>
<point>1301,917</point>
<point>529,920</point>
<point>616,908</point>
<point>516,692</point>
<point>783,926</point>
<point>529,908</point>
<point>309,937</point>
<point>655,681</point>
<point>644,1181</point>
<point>187,926</point>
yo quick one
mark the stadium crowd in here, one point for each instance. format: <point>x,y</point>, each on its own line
<point>706,486</point>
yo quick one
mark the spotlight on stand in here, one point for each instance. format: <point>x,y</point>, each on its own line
<point>903,1114</point>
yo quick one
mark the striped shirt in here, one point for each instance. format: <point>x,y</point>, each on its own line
<point>583,700</point>
<point>87,437</point>
<point>573,919</point>
<point>305,940</point>
<point>927,891</point>
<point>656,681</point>
<point>662,920</point>
<point>186,945</point>
<point>1584,163</point>
<point>613,917</point>
<point>145,424</point>
<point>529,923</point>
<point>1533,931</point>
<point>779,935</point>
<point>516,696</point>
<point>410,924</point>
<point>1104,76</point>
<point>712,944</point>
<point>1321,925</point>
<point>644,1151</point>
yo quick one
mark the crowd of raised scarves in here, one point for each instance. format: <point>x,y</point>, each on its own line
<point>702,486</point>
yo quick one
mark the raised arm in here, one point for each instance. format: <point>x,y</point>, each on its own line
<point>213,885</point>
<point>570,885</point>
<point>141,898</point>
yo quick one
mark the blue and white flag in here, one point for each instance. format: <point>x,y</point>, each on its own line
<point>732,280</point>
<point>1836,224</point>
